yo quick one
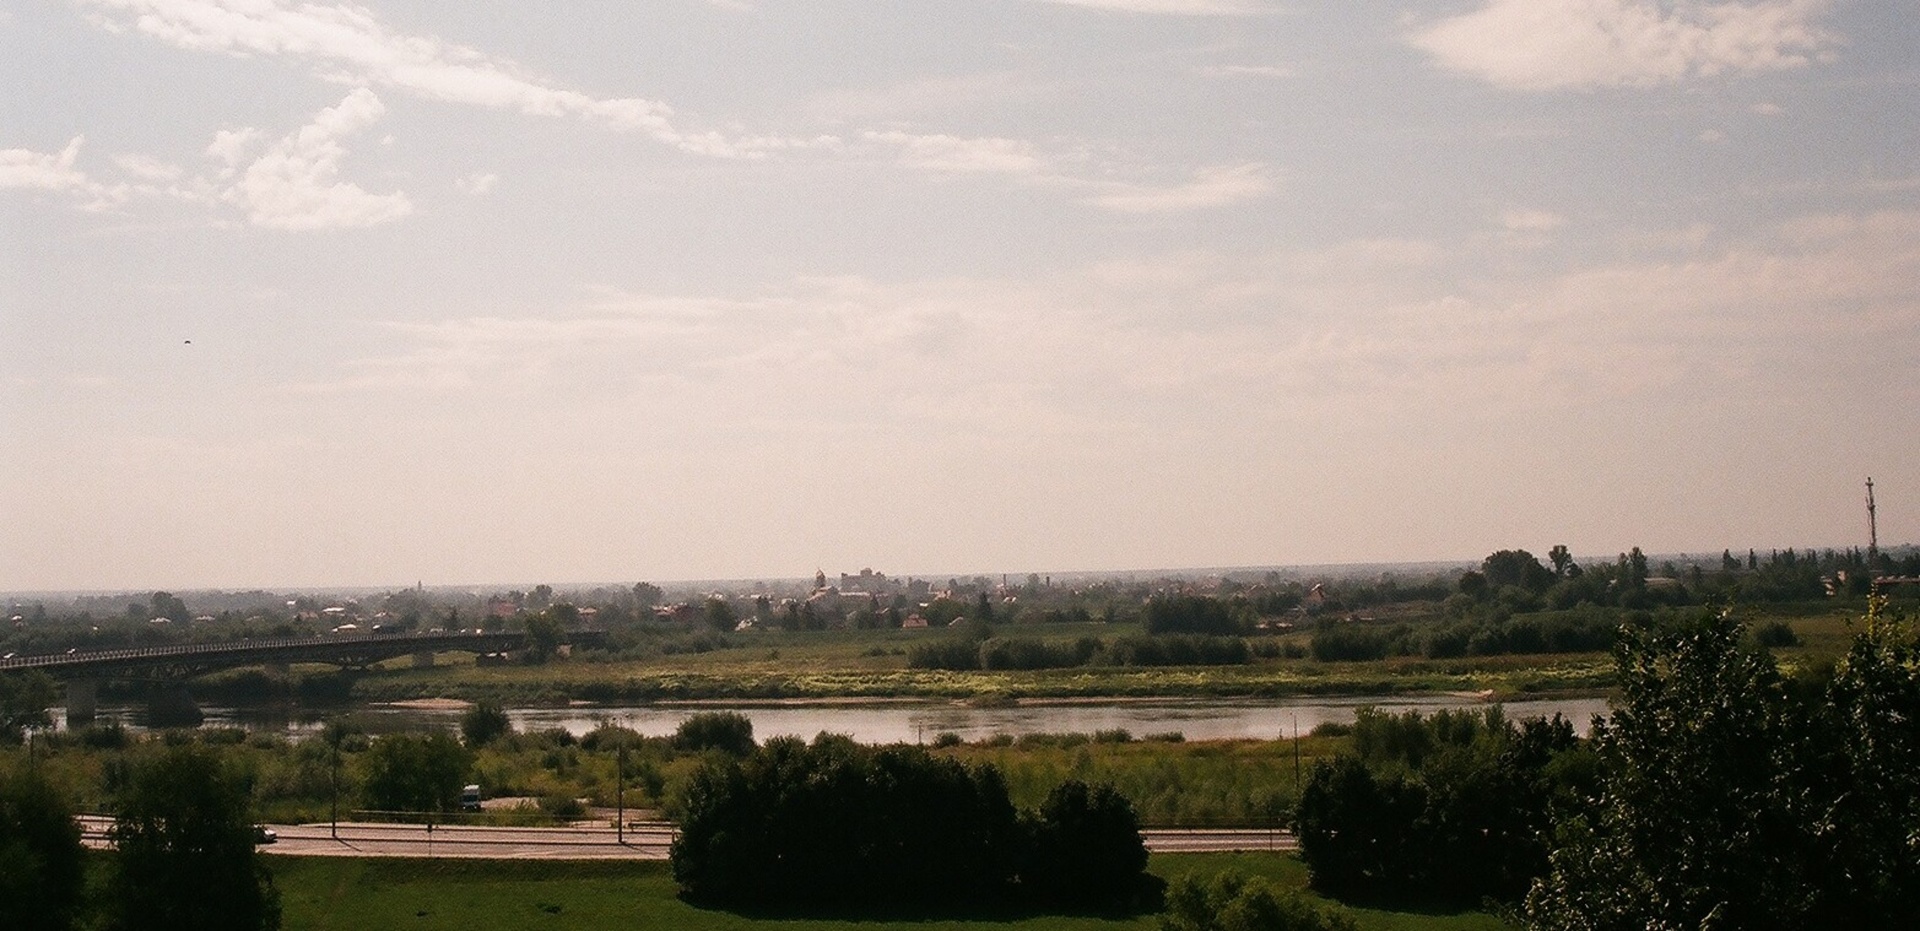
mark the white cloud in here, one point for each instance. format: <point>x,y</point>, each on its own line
<point>1531,221</point>
<point>963,155</point>
<point>295,184</point>
<point>1174,7</point>
<point>26,169</point>
<point>1555,44</point>
<point>1712,136</point>
<point>479,183</point>
<point>1244,71</point>
<point>350,45</point>
<point>46,171</point>
<point>1211,187</point>
<point>148,169</point>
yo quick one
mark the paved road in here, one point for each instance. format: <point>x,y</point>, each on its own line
<point>644,841</point>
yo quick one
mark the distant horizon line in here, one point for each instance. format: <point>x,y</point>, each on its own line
<point>1347,569</point>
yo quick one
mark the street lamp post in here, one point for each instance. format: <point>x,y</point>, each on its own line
<point>620,793</point>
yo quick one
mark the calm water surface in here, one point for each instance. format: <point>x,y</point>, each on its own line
<point>910,722</point>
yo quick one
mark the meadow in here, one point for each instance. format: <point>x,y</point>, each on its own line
<point>341,894</point>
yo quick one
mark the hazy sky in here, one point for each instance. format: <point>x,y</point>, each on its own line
<point>614,290</point>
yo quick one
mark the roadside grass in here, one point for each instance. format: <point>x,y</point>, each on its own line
<point>340,894</point>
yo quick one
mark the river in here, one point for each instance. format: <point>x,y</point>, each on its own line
<point>920,721</point>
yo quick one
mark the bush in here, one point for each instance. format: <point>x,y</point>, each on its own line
<point>951,654</point>
<point>484,723</point>
<point>1231,901</point>
<point>726,731</point>
<point>416,772</point>
<point>1775,634</point>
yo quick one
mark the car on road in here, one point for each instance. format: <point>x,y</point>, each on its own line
<point>264,835</point>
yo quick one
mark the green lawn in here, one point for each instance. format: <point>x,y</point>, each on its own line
<point>478,895</point>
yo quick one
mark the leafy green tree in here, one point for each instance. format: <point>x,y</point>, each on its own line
<point>720,615</point>
<point>837,825</point>
<point>1232,901</point>
<point>42,871</point>
<point>646,595</point>
<point>1724,801</point>
<point>1087,849</point>
<point>170,606</point>
<point>184,838</point>
<point>24,700</point>
<point>1562,559</point>
<point>543,636</point>
<point>484,723</point>
<point>729,732</point>
<point>1517,568</point>
<point>416,772</point>
<point>1871,771</point>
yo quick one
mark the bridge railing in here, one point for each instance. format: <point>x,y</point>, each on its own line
<point>46,660</point>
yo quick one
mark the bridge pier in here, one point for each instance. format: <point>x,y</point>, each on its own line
<point>171,705</point>
<point>423,659</point>
<point>83,701</point>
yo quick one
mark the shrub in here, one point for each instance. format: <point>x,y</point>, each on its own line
<point>484,723</point>
<point>1230,901</point>
<point>726,731</point>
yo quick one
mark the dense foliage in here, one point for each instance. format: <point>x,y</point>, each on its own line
<point>41,868</point>
<point>1444,810</point>
<point>1001,653</point>
<point>1231,901</point>
<point>24,699</point>
<point>416,772</point>
<point>185,843</point>
<point>836,825</point>
<point>1731,797</point>
<point>725,731</point>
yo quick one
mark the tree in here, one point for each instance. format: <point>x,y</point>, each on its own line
<point>837,825</point>
<point>1562,559</point>
<point>42,870</point>
<point>1517,568</point>
<point>719,614</point>
<point>185,842</point>
<point>729,732</point>
<point>484,723</point>
<point>1087,848</point>
<point>543,636</point>
<point>416,772</point>
<point>1731,798</point>
<point>24,700</point>
<point>166,605</point>
<point>646,595</point>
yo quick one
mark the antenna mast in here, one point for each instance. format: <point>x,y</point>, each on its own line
<point>1873,524</point>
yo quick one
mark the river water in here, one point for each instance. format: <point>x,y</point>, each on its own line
<point>919,721</point>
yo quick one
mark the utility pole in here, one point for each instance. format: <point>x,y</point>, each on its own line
<point>334,822</point>
<point>1873,528</point>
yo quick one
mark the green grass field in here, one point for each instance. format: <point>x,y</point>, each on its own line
<point>338,894</point>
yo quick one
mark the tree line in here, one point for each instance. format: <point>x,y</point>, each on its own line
<point>1721,792</point>
<point>837,826</point>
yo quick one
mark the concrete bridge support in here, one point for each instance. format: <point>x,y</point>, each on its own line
<point>83,701</point>
<point>423,660</point>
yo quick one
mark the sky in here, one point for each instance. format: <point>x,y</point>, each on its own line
<point>313,293</point>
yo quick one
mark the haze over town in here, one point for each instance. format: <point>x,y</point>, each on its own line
<point>301,295</point>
